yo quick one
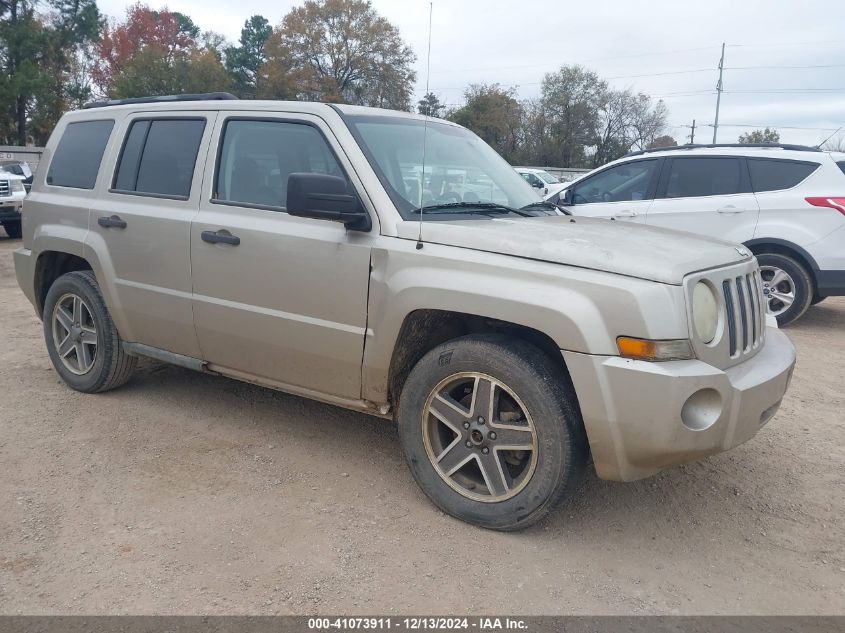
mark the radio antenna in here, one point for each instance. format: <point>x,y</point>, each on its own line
<point>425,125</point>
<point>819,146</point>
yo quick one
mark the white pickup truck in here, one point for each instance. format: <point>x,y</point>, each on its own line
<point>12,193</point>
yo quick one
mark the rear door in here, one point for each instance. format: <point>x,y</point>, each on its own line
<point>706,195</point>
<point>621,192</point>
<point>142,224</point>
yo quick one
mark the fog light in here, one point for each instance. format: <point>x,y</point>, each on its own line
<point>702,409</point>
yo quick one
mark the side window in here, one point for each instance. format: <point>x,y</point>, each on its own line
<point>79,154</point>
<point>695,177</point>
<point>625,182</point>
<point>159,157</point>
<point>256,158</point>
<point>842,165</point>
<point>771,175</point>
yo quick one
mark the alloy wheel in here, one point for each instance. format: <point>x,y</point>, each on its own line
<point>778,289</point>
<point>479,437</point>
<point>74,334</point>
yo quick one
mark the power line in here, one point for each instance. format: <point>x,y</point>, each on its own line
<point>770,91</point>
<point>784,67</point>
<point>779,127</point>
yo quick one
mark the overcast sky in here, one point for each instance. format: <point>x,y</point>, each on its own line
<point>784,59</point>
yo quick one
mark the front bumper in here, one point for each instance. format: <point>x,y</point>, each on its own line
<point>644,416</point>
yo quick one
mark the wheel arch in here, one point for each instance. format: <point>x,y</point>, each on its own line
<point>51,265</point>
<point>424,329</point>
<point>784,247</point>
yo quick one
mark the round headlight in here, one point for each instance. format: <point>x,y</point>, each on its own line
<point>705,312</point>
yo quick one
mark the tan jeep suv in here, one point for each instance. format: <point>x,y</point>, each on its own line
<point>397,266</point>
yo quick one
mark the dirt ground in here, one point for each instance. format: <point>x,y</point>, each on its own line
<point>184,493</point>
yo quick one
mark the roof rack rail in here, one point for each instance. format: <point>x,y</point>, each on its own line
<point>205,96</point>
<point>798,148</point>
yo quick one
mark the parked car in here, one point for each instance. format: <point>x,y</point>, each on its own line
<point>784,202</point>
<point>12,193</point>
<point>548,185</point>
<point>284,244</point>
<point>19,168</point>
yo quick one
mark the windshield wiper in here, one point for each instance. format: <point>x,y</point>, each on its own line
<point>480,208</point>
<point>546,205</point>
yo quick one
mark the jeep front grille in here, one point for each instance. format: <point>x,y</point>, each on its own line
<point>743,312</point>
<point>5,188</point>
<point>742,326</point>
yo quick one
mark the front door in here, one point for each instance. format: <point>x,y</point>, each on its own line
<point>621,192</point>
<point>143,223</point>
<point>277,298</point>
<point>706,195</point>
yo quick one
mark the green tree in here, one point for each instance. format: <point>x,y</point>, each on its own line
<point>244,60</point>
<point>495,115</point>
<point>572,99</point>
<point>430,105</point>
<point>662,141</point>
<point>42,48</point>
<point>343,51</point>
<point>760,136</point>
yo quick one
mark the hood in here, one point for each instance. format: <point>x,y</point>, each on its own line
<point>623,248</point>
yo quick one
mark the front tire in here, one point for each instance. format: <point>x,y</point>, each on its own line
<point>13,229</point>
<point>81,338</point>
<point>787,287</point>
<point>492,432</point>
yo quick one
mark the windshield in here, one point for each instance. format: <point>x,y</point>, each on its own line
<point>460,169</point>
<point>547,178</point>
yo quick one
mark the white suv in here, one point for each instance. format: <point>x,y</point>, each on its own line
<point>786,203</point>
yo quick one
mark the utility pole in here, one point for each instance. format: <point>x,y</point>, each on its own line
<point>692,133</point>
<point>719,93</point>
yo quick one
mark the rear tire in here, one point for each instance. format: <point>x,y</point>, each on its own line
<point>787,287</point>
<point>81,338</point>
<point>13,229</point>
<point>532,406</point>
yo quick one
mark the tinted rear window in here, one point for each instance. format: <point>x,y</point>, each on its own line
<point>694,177</point>
<point>159,156</point>
<point>79,154</point>
<point>772,175</point>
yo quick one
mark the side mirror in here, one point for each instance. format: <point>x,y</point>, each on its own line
<point>567,197</point>
<point>325,197</point>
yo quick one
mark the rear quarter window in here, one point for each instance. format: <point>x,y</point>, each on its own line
<point>79,154</point>
<point>841,164</point>
<point>768,174</point>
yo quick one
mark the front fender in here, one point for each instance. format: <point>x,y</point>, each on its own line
<point>579,309</point>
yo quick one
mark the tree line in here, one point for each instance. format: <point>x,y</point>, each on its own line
<point>577,121</point>
<point>59,54</point>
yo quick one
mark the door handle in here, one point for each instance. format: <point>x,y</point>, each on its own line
<point>729,209</point>
<point>220,237</point>
<point>625,214</point>
<point>111,222</point>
